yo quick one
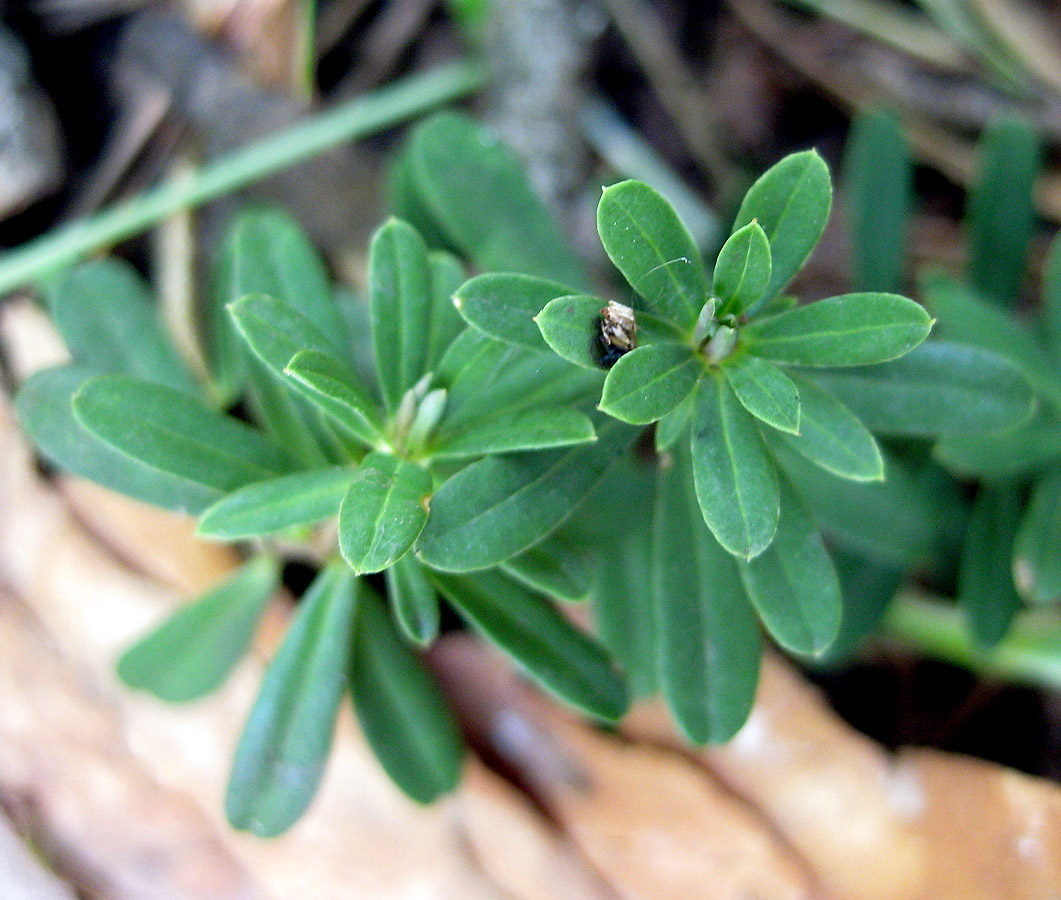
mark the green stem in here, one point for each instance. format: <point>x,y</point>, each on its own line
<point>1030,653</point>
<point>381,109</point>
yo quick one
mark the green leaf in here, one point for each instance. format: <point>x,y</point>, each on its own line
<point>791,202</point>
<point>1037,549</point>
<point>447,274</point>
<point>478,194</point>
<point>793,584</point>
<point>554,567</point>
<point>266,507</point>
<point>528,429</point>
<point>403,714</point>
<point>504,306</point>
<point>45,410</point>
<point>109,321</point>
<point>831,437</point>
<point>879,182</point>
<point>647,383</point>
<point>674,425</point>
<point>766,392</point>
<point>936,389</point>
<point>193,652</point>
<point>1004,453</point>
<point>650,245</point>
<point>1051,309</point>
<point>171,431</point>
<point>867,588</point>
<point>1001,210</point>
<point>275,331</point>
<point>400,299</point>
<point>742,271</point>
<point>333,387</point>
<point>552,651</point>
<point>414,601</point>
<point>735,480</point>
<point>850,330</point>
<point>282,752</point>
<point>383,512</point>
<point>500,506</point>
<point>709,641</point>
<point>570,325</point>
<point>985,576</point>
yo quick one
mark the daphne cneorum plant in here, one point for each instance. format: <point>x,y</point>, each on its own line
<point>462,443</point>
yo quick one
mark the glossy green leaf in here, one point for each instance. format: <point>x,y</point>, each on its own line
<point>1004,453</point>
<point>766,392</point>
<point>793,584</point>
<point>171,431</point>
<point>1037,549</point>
<point>109,321</point>
<point>447,274</point>
<point>336,390</point>
<point>414,601</point>
<point>650,245</point>
<point>504,306</point>
<point>647,383</point>
<point>832,437</point>
<point>45,410</point>
<point>545,645</point>
<point>879,185</point>
<point>742,271</point>
<point>528,429</point>
<point>284,746</point>
<point>1001,210</point>
<point>709,642</point>
<point>791,202</point>
<point>400,300</point>
<point>735,480</point>
<point>266,507</point>
<point>554,567</point>
<point>194,651</point>
<point>383,512</point>
<point>500,506</point>
<point>849,330</point>
<point>985,576</point>
<point>403,714</point>
<point>674,425</point>
<point>936,389</point>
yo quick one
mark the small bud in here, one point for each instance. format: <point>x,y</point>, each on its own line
<point>428,415</point>
<point>721,344</point>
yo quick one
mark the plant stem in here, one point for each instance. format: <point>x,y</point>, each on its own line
<point>381,109</point>
<point>1030,653</point>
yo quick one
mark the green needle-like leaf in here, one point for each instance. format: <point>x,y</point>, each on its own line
<point>282,752</point>
<point>647,383</point>
<point>793,584</point>
<point>850,330</point>
<point>985,577</point>
<point>832,437</point>
<point>1037,550</point>
<point>194,650</point>
<point>402,712</point>
<point>333,387</point>
<point>791,202</point>
<point>742,272</point>
<point>266,507</point>
<point>414,601</point>
<point>766,392</point>
<point>736,483</point>
<point>383,512</point>
<point>400,299</point>
<point>528,429</point>
<point>504,306</point>
<point>170,431</point>
<point>544,644</point>
<point>650,245</point>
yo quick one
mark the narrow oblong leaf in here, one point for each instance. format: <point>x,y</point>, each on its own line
<point>171,431</point>
<point>275,331</point>
<point>1037,548</point>
<point>331,386</point>
<point>742,271</point>
<point>403,714</point>
<point>766,392</point>
<point>647,383</point>
<point>528,429</point>
<point>504,306</point>
<point>867,587</point>
<point>736,483</point>
<point>266,507</point>
<point>650,245</point>
<point>383,512</point>
<point>552,651</point>
<point>194,651</point>
<point>849,330</point>
<point>1052,295</point>
<point>791,202</point>
<point>554,567</point>
<point>500,506</point>
<point>414,601</point>
<point>1003,453</point>
<point>832,437</point>
<point>793,584</point>
<point>400,300</point>
<point>447,274</point>
<point>284,746</point>
<point>673,425</point>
